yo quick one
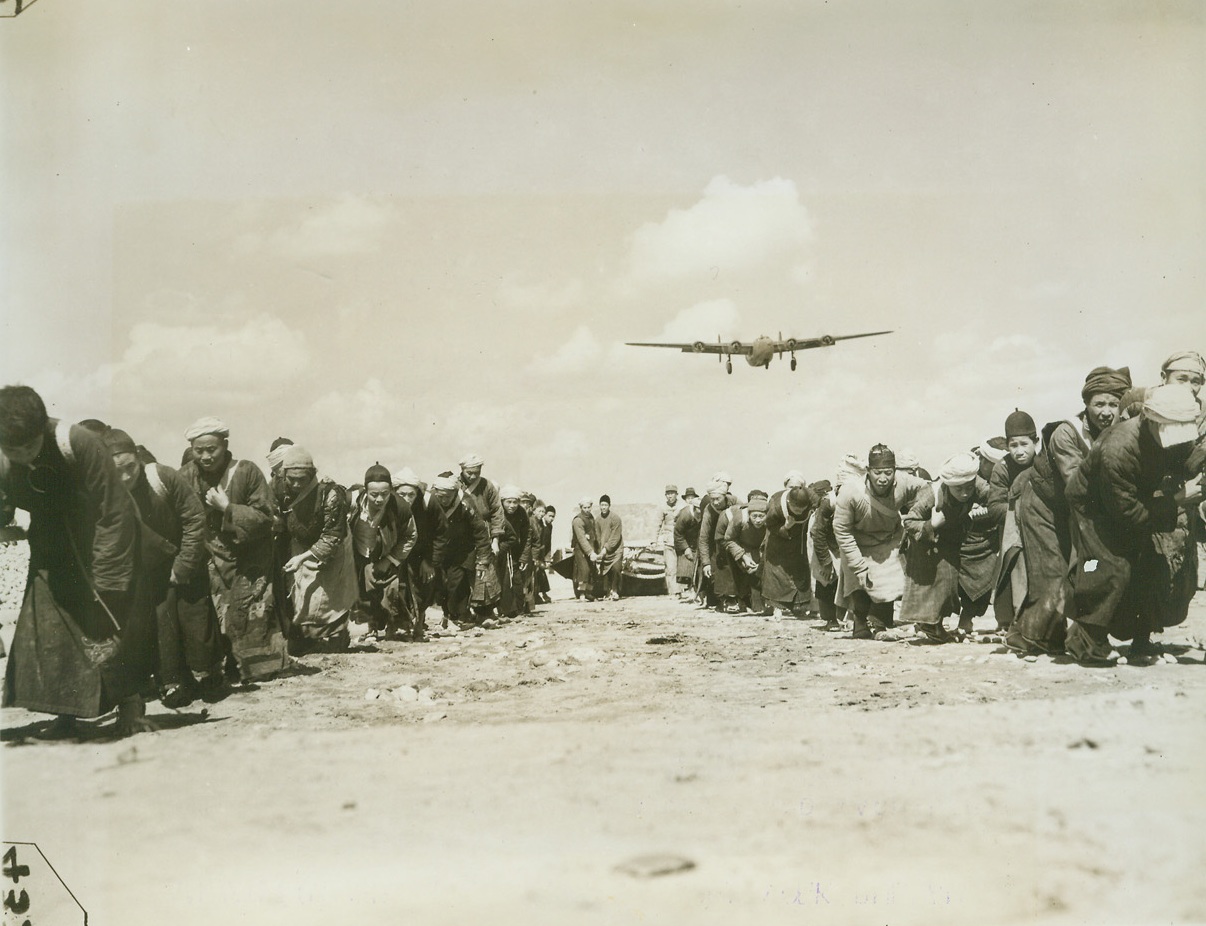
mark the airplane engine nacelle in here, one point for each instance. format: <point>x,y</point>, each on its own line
<point>790,344</point>
<point>698,347</point>
<point>735,347</point>
<point>828,340</point>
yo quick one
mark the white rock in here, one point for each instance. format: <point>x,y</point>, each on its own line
<point>405,693</point>
<point>583,655</point>
<point>540,659</point>
<point>372,694</point>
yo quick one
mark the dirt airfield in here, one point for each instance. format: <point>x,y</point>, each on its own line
<point>640,761</point>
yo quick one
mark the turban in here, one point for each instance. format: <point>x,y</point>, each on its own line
<point>407,477</point>
<point>797,500</point>
<point>756,493</point>
<point>794,478</point>
<point>722,476</point>
<point>1104,381</point>
<point>1019,424</point>
<point>585,502</point>
<point>960,469</point>
<point>716,487</point>
<point>203,426</point>
<point>1189,361</point>
<point>907,459</point>
<point>671,488</point>
<point>1175,409</point>
<point>689,492</point>
<point>471,459</point>
<point>758,503</point>
<point>506,492</point>
<point>994,450</point>
<point>881,457</point>
<point>851,469</point>
<point>444,484</point>
<point>297,458</point>
<point>119,441</point>
<point>377,473</point>
<point>604,498</point>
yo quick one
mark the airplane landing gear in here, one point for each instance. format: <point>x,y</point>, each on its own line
<point>793,363</point>
<point>728,366</point>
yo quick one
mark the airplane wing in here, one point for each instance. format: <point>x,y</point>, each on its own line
<point>790,344</point>
<point>700,347</point>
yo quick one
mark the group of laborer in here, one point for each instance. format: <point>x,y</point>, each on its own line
<point>1084,531</point>
<point>214,572</point>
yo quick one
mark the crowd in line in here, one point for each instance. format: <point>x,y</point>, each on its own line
<point>1084,531</point>
<point>215,573</point>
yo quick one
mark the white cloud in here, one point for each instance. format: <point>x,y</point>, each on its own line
<point>732,228</point>
<point>581,351</point>
<point>703,321</point>
<point>225,362</point>
<point>349,225</point>
<point>540,297</point>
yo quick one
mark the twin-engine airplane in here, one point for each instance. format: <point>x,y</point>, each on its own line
<point>761,351</point>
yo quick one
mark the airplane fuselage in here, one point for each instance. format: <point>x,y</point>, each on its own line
<point>761,352</point>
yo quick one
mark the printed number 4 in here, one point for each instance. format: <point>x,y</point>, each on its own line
<point>11,868</point>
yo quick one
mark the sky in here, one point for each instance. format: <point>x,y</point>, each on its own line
<point>402,231</point>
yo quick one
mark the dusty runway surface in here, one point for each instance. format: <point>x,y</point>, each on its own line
<point>521,775</point>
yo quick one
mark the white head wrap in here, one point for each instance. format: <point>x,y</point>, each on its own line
<point>960,469</point>
<point>207,425</point>
<point>794,478</point>
<point>472,459</point>
<point>1175,409</point>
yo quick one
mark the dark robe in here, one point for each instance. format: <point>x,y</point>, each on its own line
<point>382,548</point>
<point>585,542</point>
<point>459,557</point>
<point>948,570</point>
<point>240,566</point>
<point>431,528</point>
<point>741,539</point>
<point>686,541</point>
<point>66,655</point>
<point>322,589</point>
<point>786,574</point>
<point>609,530</point>
<point>175,564</point>
<point>1009,583</point>
<point>724,581</point>
<point>1045,527</point>
<point>1137,569</point>
<point>512,546</point>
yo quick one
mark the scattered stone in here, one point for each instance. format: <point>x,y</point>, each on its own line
<point>434,716</point>
<point>372,694</point>
<point>669,638</point>
<point>653,866</point>
<point>1083,743</point>
<point>405,693</point>
<point>1169,658</point>
<point>540,659</point>
<point>426,694</point>
<point>584,655</point>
